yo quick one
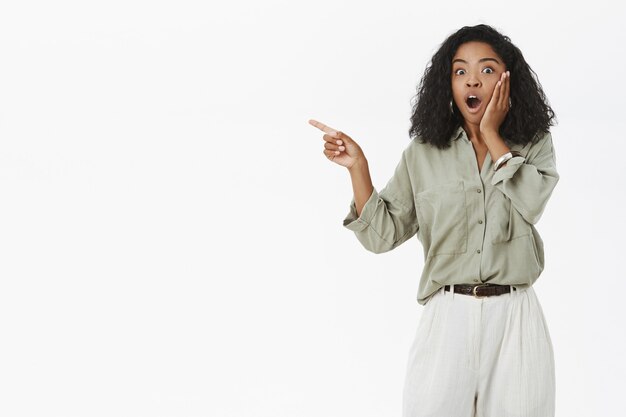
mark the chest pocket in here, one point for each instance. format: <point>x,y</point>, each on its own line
<point>442,215</point>
<point>504,221</point>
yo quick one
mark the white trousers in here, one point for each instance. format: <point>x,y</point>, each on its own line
<point>481,357</point>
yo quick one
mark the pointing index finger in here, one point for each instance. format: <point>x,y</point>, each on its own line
<point>321,126</point>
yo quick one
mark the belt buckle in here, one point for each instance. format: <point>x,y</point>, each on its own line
<point>474,290</point>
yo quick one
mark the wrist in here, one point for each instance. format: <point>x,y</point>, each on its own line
<point>489,133</point>
<point>359,165</point>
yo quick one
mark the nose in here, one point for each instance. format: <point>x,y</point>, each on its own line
<point>472,82</point>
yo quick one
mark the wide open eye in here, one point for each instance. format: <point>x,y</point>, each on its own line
<point>491,71</point>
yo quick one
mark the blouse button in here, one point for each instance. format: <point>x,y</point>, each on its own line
<point>477,250</point>
<point>478,190</point>
<point>475,280</point>
<point>480,222</point>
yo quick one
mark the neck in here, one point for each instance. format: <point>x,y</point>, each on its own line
<point>473,131</point>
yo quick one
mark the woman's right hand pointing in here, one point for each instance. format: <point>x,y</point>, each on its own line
<point>339,147</point>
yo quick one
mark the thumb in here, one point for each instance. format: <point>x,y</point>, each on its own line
<point>340,135</point>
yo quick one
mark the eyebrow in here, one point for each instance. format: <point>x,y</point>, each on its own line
<point>480,60</point>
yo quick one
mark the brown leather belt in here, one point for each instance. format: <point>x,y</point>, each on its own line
<point>480,290</point>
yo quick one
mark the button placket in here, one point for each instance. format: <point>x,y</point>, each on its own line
<point>480,221</point>
<point>479,190</point>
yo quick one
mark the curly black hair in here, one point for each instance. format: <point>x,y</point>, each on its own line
<point>433,121</point>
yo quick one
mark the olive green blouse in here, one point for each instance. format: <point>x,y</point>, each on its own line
<point>474,227</point>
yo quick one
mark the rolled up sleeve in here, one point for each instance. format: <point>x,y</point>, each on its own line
<point>529,182</point>
<point>388,217</point>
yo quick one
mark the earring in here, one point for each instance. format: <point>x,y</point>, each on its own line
<point>510,105</point>
<point>451,108</point>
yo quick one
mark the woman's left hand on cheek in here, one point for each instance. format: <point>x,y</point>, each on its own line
<point>498,106</point>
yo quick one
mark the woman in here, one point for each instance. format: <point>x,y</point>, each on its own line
<point>471,185</point>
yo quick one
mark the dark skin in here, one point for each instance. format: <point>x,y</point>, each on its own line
<point>482,127</point>
<point>477,68</point>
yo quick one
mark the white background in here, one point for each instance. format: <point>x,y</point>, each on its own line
<point>171,239</point>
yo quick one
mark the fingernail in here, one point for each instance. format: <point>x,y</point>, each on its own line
<point>334,134</point>
<point>338,142</point>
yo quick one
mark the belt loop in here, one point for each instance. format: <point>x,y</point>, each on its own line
<point>452,291</point>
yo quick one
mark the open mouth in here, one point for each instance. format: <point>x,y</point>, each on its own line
<point>473,103</point>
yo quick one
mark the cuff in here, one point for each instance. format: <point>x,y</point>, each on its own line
<point>358,223</point>
<point>506,172</point>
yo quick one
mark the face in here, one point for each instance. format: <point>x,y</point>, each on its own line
<point>476,69</point>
